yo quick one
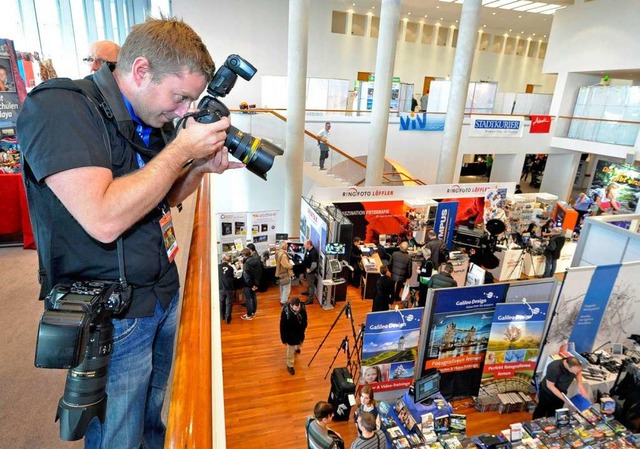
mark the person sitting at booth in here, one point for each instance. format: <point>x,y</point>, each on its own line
<point>560,374</point>
<point>354,261</point>
<point>366,404</point>
<point>385,293</point>
<point>319,435</point>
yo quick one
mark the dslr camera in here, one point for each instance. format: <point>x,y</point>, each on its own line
<point>256,154</point>
<point>76,333</point>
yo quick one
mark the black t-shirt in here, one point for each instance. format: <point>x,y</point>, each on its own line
<point>60,130</point>
<point>559,375</point>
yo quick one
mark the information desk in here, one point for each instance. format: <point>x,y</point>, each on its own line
<point>510,266</point>
<point>416,411</point>
<point>370,275</point>
<point>15,226</point>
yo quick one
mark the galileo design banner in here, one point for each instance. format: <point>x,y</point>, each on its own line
<point>514,345</point>
<point>457,336</point>
<point>492,126</point>
<point>389,349</point>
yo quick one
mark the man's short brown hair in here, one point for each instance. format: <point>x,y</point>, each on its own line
<point>322,410</point>
<point>170,46</point>
<point>367,421</point>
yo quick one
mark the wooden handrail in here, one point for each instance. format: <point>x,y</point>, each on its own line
<point>591,119</point>
<point>190,409</point>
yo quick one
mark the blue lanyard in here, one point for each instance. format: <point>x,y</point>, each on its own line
<point>144,131</point>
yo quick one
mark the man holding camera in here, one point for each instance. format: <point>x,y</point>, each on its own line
<point>95,175</point>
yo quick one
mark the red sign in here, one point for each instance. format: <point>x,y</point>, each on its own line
<point>540,124</point>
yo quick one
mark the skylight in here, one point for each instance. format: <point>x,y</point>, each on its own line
<point>517,5</point>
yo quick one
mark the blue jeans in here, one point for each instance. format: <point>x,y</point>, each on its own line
<point>250,300</point>
<point>549,266</point>
<point>138,375</point>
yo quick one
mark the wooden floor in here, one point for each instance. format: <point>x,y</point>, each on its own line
<point>264,404</point>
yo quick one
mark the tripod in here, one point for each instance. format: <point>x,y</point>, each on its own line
<point>353,368</point>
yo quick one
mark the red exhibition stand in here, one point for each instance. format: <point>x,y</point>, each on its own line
<point>14,212</point>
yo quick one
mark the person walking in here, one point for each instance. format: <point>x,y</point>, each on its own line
<point>226,290</point>
<point>322,144</point>
<point>401,266</point>
<point>251,274</point>
<point>293,324</point>
<point>284,271</point>
<point>310,265</point>
<point>552,252</point>
<point>385,293</point>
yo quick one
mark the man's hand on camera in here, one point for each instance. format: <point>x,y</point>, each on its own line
<point>203,140</point>
<point>217,162</point>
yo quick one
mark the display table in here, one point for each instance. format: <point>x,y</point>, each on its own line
<point>533,265</point>
<point>566,256</point>
<point>14,212</point>
<point>370,275</point>
<point>510,266</point>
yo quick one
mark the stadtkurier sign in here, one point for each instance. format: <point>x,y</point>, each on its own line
<point>496,126</point>
<point>400,193</point>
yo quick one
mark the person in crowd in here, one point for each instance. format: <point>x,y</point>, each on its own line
<point>293,324</point>
<point>5,85</point>
<point>424,100</point>
<point>385,293</point>
<point>443,278</point>
<point>251,274</point>
<point>489,165</point>
<point>310,264</point>
<point>533,230</point>
<point>319,435</point>
<point>365,403</point>
<point>424,276</point>
<point>560,374</point>
<point>401,266</point>
<point>582,204</point>
<point>354,260</point>
<point>322,144</point>
<point>436,247</point>
<point>526,168</point>
<point>414,104</point>
<point>227,292</point>
<point>102,52</point>
<point>552,252</point>
<point>518,189</point>
<point>284,270</point>
<point>370,437</point>
<point>110,187</point>
<point>372,374</point>
<point>606,200</point>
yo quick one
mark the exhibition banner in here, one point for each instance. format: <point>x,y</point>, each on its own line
<point>456,340</point>
<point>492,126</point>
<point>420,121</point>
<point>372,219</point>
<point>627,177</point>
<point>232,231</point>
<point>595,301</point>
<point>389,348</point>
<point>514,344</point>
<point>12,90</point>
<point>540,124</point>
<point>263,229</point>
<point>446,222</point>
<point>402,193</point>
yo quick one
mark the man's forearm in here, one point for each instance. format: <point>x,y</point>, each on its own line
<point>185,185</point>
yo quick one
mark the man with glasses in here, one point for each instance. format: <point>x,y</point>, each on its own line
<point>101,52</point>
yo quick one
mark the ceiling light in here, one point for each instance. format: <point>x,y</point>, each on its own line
<point>484,26</point>
<point>408,13</point>
<point>493,13</point>
<point>546,9</point>
<point>441,18</point>
<point>529,6</point>
<point>499,3</point>
<point>515,4</point>
<point>533,34</point>
<point>510,30</point>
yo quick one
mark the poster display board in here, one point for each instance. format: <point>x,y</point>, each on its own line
<point>514,342</point>
<point>389,348</point>
<point>455,336</point>
<point>236,229</point>
<point>490,126</point>
<point>626,177</point>
<point>371,219</point>
<point>315,227</point>
<point>12,90</point>
<point>446,222</point>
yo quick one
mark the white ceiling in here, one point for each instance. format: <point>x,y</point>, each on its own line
<point>492,20</point>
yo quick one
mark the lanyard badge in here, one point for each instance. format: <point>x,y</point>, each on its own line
<point>169,235</point>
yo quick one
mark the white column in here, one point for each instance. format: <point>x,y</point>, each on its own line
<point>349,24</point>
<point>559,174</point>
<point>296,90</point>
<point>420,31</point>
<point>385,59</point>
<point>467,37</point>
<point>367,29</point>
<point>403,31</point>
<point>450,36</point>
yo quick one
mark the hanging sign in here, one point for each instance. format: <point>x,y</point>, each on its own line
<point>495,126</point>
